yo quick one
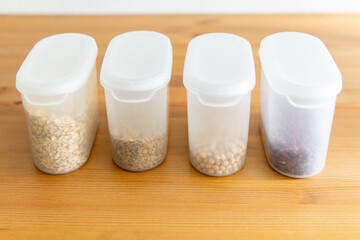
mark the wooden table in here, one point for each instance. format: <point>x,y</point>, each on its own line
<point>173,201</point>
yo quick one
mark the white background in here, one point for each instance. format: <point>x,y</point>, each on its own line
<point>176,6</point>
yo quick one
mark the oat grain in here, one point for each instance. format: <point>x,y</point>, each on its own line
<point>61,144</point>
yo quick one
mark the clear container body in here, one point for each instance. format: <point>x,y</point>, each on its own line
<point>295,138</point>
<point>138,124</point>
<point>57,82</point>
<point>300,82</point>
<point>135,74</point>
<point>219,75</point>
<point>62,134</point>
<point>218,133</point>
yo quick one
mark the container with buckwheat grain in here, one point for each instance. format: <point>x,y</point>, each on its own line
<point>219,75</point>
<point>58,85</point>
<point>299,85</point>
<point>135,74</point>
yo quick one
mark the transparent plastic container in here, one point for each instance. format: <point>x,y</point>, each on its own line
<point>299,85</point>
<point>58,85</point>
<point>219,75</point>
<point>135,74</point>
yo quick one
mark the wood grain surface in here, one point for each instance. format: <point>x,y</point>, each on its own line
<point>174,201</point>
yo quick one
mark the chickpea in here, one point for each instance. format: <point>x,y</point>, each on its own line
<point>219,159</point>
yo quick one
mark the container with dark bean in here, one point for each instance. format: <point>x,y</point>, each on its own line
<point>299,85</point>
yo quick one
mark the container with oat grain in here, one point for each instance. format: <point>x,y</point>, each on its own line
<point>135,74</point>
<point>299,85</point>
<point>58,85</point>
<point>219,75</point>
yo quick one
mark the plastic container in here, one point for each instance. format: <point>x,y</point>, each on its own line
<point>135,74</point>
<point>219,75</point>
<point>299,85</point>
<point>58,85</point>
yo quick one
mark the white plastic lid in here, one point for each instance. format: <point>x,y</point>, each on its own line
<point>137,61</point>
<point>219,64</point>
<point>56,65</point>
<point>300,65</point>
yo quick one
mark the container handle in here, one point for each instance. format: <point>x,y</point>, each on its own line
<point>308,103</point>
<point>211,101</point>
<point>45,100</point>
<point>132,97</point>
